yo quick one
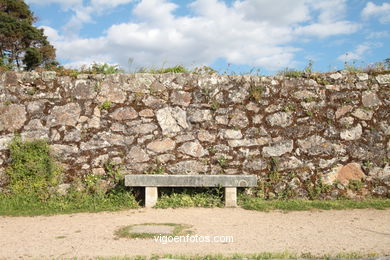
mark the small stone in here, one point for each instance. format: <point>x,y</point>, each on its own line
<point>231,134</point>
<point>341,111</point>
<point>278,148</point>
<point>12,117</point>
<point>164,158</point>
<point>162,146</point>
<point>370,99</point>
<point>146,113</point>
<point>205,136</point>
<point>63,189</point>
<point>352,133</point>
<point>72,136</point>
<point>137,155</point>
<point>239,119</point>
<point>180,116</point>
<point>153,102</point>
<point>64,151</point>
<point>194,149</point>
<point>124,113</point>
<point>222,120</point>
<point>181,98</point>
<point>252,107</point>
<point>363,114</point>
<point>198,116</point>
<point>282,119</point>
<point>257,119</point>
<point>144,128</point>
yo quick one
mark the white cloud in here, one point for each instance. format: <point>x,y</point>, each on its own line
<point>382,12</point>
<point>376,35</point>
<point>260,33</point>
<point>328,29</point>
<point>356,54</point>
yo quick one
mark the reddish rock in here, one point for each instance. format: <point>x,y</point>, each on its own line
<point>342,111</point>
<point>351,171</point>
<point>124,113</point>
<point>181,98</point>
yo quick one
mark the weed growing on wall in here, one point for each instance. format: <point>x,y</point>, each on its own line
<point>32,169</point>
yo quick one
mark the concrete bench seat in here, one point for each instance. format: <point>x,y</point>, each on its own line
<point>152,182</point>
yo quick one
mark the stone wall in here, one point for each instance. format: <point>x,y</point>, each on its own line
<point>294,133</point>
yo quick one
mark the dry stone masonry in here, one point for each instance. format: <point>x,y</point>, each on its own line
<point>293,133</point>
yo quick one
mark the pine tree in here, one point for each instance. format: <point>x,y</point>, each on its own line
<point>22,45</point>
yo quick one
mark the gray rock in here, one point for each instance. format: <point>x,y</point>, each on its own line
<point>239,95</point>
<point>289,163</point>
<point>12,117</point>
<point>144,128</point>
<point>64,151</point>
<point>282,119</point>
<point>166,121</point>
<point>363,114</point>
<point>239,119</point>
<point>304,95</point>
<point>66,115</point>
<point>248,142</point>
<point>188,167</point>
<point>370,99</point>
<point>63,189</point>
<point>383,79</point>
<point>161,146</point>
<point>137,155</point>
<point>194,149</point>
<point>206,136</point>
<point>231,134</point>
<point>73,136</point>
<point>278,148</point>
<point>255,164</point>
<point>353,133</point>
<point>380,190</point>
<point>198,116</point>
<point>84,90</point>
<point>362,76</point>
<point>181,98</point>
<point>124,113</point>
<point>112,93</point>
<point>180,116</point>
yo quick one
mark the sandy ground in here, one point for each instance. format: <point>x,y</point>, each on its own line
<point>90,235</point>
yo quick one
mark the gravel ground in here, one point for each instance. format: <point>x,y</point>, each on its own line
<point>92,234</point>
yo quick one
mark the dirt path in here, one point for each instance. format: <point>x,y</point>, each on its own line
<point>89,235</point>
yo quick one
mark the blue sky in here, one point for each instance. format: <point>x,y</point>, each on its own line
<point>231,35</point>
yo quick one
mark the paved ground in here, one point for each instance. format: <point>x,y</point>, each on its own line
<point>90,235</point>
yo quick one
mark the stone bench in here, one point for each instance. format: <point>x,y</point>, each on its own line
<point>152,182</point>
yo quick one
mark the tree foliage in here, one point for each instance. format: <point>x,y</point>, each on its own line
<point>22,45</point>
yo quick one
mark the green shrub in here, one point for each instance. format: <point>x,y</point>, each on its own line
<point>32,169</point>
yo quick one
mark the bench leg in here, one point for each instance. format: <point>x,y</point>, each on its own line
<point>230,197</point>
<point>151,195</point>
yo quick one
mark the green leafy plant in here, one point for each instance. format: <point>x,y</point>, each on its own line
<point>32,169</point>
<point>105,105</point>
<point>222,161</point>
<point>290,73</point>
<point>355,185</point>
